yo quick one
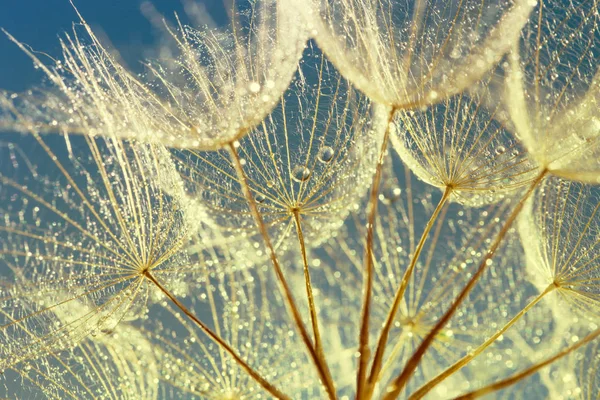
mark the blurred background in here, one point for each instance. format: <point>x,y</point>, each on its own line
<point>124,25</point>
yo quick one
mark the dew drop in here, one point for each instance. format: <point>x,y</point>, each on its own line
<point>301,173</point>
<point>260,198</point>
<point>500,150</point>
<point>270,184</point>
<point>326,154</point>
<point>391,194</point>
<point>254,87</point>
<point>456,53</point>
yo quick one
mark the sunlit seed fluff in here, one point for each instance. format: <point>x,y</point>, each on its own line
<point>553,89</point>
<point>217,86</point>
<point>87,220</point>
<point>111,365</point>
<point>587,372</point>
<point>243,307</point>
<point>407,54</point>
<point>463,145</point>
<point>561,227</point>
<point>314,155</point>
<point>83,229</point>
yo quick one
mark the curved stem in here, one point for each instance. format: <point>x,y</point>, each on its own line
<point>309,292</point>
<point>381,345</point>
<point>398,384</point>
<point>467,359</point>
<point>218,340</point>
<point>322,367</point>
<point>529,371</point>
<point>363,347</point>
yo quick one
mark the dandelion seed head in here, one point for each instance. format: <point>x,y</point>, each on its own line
<point>561,226</point>
<point>110,360</point>
<point>106,225</point>
<point>410,54</point>
<point>459,144</point>
<point>300,160</point>
<point>200,98</point>
<point>552,89</point>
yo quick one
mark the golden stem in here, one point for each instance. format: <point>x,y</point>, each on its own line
<point>381,345</point>
<point>322,367</point>
<point>363,347</point>
<point>309,291</point>
<point>218,340</point>
<point>467,359</point>
<point>529,371</point>
<point>398,384</point>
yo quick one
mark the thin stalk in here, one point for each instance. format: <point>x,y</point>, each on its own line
<point>529,371</point>
<point>309,292</point>
<point>363,347</point>
<point>381,345</point>
<point>467,359</point>
<point>218,340</point>
<point>322,367</point>
<point>400,381</point>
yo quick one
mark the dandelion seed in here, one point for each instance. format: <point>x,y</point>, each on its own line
<point>552,89</point>
<point>411,54</point>
<point>561,227</point>
<point>460,144</point>
<point>204,99</point>
<point>113,363</point>
<point>105,225</point>
<point>301,158</point>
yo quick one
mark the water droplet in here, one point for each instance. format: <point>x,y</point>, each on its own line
<point>391,194</point>
<point>301,173</point>
<point>500,150</point>
<point>260,198</point>
<point>254,87</point>
<point>326,154</point>
<point>456,53</point>
<point>270,184</point>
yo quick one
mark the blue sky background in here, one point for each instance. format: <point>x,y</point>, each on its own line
<point>40,23</point>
